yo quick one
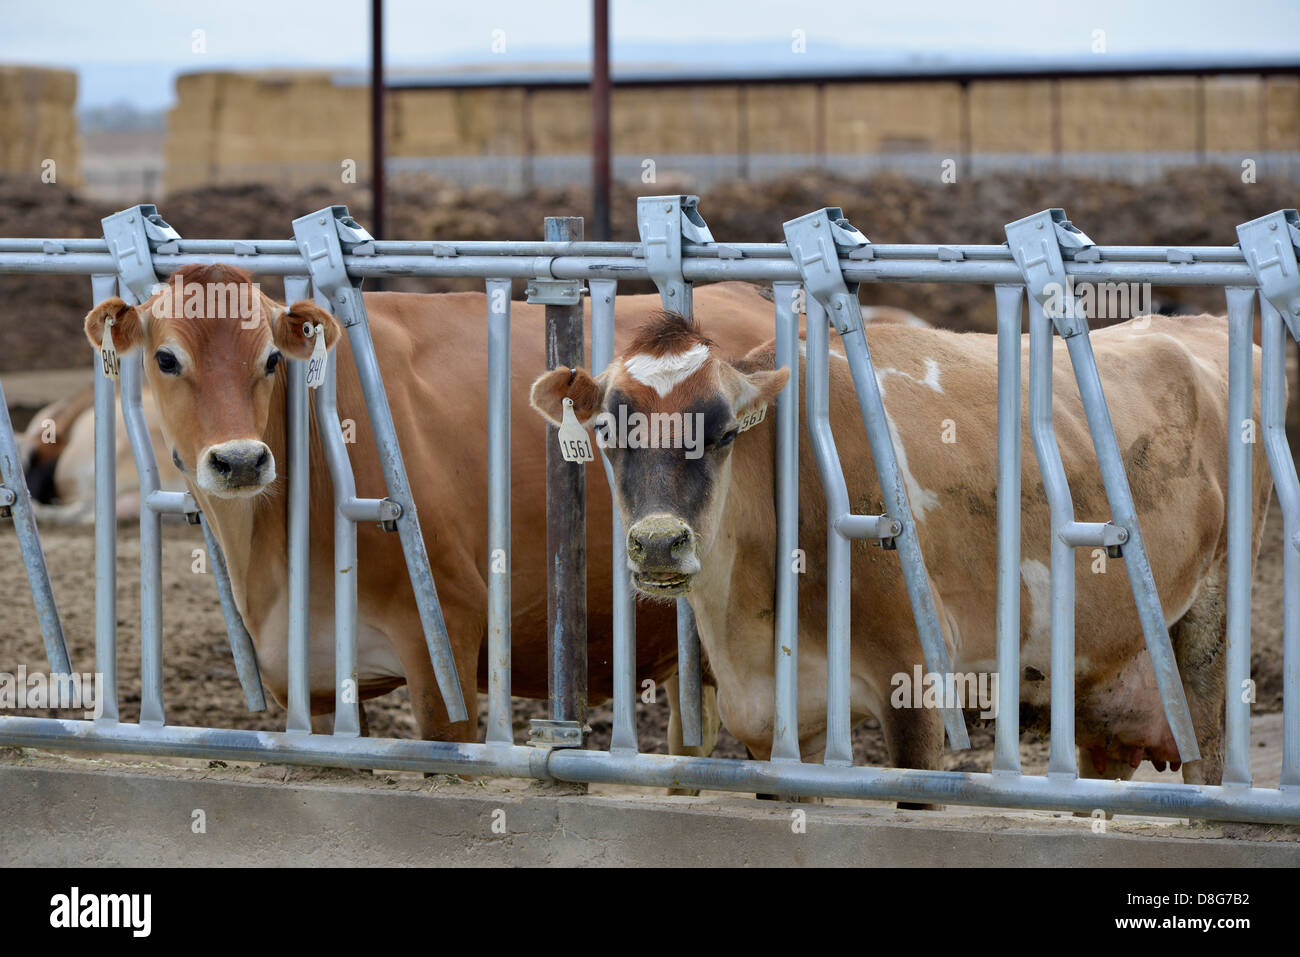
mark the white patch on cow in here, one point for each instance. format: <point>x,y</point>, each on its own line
<point>1038,582</point>
<point>664,373</point>
<point>930,380</point>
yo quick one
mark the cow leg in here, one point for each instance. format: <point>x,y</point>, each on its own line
<point>710,724</point>
<point>1199,639</point>
<point>426,700</point>
<point>914,737</point>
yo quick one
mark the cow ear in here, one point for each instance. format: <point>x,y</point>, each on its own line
<point>128,330</point>
<point>288,333</point>
<point>760,389</point>
<point>551,389</point>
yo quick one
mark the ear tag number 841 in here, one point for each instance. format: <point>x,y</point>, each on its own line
<point>316,364</point>
<point>108,351</point>
<point>575,444</point>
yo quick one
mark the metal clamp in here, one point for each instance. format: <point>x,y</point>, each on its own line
<point>132,237</point>
<point>7,499</point>
<point>663,222</point>
<point>547,733</point>
<point>323,239</point>
<point>1269,245</point>
<point>817,241</point>
<point>1037,244</point>
<point>546,290</point>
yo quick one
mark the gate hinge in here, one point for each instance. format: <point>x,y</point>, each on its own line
<point>1270,244</point>
<point>816,242</point>
<point>133,235</point>
<point>323,239</point>
<point>663,223</point>
<point>1038,244</point>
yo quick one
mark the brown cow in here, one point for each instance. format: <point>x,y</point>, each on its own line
<point>706,527</point>
<point>219,384</point>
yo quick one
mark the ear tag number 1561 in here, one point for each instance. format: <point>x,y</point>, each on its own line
<point>575,444</point>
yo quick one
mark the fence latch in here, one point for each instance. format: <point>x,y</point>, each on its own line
<point>1037,243</point>
<point>132,237</point>
<point>1269,245</point>
<point>817,241</point>
<point>323,239</point>
<point>663,223</point>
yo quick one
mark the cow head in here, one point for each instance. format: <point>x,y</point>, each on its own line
<point>213,345</point>
<point>666,412</point>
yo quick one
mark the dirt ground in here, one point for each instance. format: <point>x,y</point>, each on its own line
<point>41,325</point>
<point>201,687</point>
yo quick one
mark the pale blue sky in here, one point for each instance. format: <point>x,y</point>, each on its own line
<point>132,49</point>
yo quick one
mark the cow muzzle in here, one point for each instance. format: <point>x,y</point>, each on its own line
<point>237,468</point>
<point>661,554</point>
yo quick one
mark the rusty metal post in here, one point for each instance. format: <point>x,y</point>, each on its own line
<point>566,519</point>
<point>377,217</point>
<point>600,140</point>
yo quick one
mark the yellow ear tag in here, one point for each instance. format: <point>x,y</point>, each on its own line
<point>316,364</point>
<point>575,444</point>
<point>108,352</point>
<point>752,418</point>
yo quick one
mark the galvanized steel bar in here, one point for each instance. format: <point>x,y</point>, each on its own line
<point>29,544</point>
<point>241,642</point>
<point>499,728</point>
<point>785,727</point>
<point>297,445</point>
<point>1240,438</point>
<point>1056,488</point>
<point>624,736</point>
<point>1006,750</point>
<point>137,430</point>
<point>839,730</point>
<point>318,236</point>
<point>1271,805</point>
<point>1286,487</point>
<point>689,681</point>
<point>105,287</point>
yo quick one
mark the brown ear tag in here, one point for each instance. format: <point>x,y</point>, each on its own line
<point>316,364</point>
<point>752,417</point>
<point>575,444</point>
<point>108,351</point>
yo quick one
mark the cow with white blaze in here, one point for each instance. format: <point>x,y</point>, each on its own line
<point>706,527</point>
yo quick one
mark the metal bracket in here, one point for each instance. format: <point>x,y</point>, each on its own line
<point>545,291</point>
<point>132,236</point>
<point>817,241</point>
<point>7,499</point>
<point>1272,241</point>
<point>545,733</point>
<point>323,239</point>
<point>1038,244</point>
<point>663,222</point>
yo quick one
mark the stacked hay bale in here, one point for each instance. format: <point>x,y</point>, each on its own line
<point>38,122</point>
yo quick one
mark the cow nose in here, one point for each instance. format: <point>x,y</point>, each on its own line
<point>661,542</point>
<point>238,465</point>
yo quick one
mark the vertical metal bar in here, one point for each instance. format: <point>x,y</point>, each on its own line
<point>378,217</point>
<point>624,736</point>
<point>1241,386</point>
<point>911,562</point>
<point>1006,750</point>
<point>297,437</point>
<point>1136,562</point>
<point>566,520</point>
<point>839,730</point>
<point>600,109</point>
<point>137,430</point>
<point>29,544</point>
<point>241,642</point>
<point>785,729</point>
<point>105,287</point>
<point>347,699</point>
<point>1286,487</point>
<point>499,729</point>
<point>1056,487</point>
<point>689,684</point>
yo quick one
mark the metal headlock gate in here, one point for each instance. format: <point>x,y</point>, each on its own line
<point>331,255</point>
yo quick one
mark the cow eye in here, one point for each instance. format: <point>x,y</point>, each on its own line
<point>272,361</point>
<point>725,439</point>
<point>167,363</point>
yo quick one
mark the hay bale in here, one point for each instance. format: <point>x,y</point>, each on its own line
<point>38,122</point>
